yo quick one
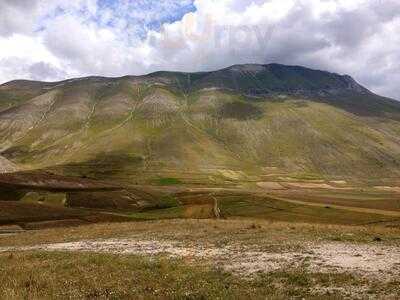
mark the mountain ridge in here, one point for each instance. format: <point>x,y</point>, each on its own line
<point>237,67</point>
<point>244,118</point>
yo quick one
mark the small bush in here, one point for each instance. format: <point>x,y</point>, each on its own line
<point>167,181</point>
<point>166,202</point>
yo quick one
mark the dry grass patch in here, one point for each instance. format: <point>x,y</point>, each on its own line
<point>251,232</point>
<point>107,276</point>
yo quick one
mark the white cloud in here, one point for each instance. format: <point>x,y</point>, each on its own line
<point>87,37</point>
<point>20,56</point>
<point>16,16</point>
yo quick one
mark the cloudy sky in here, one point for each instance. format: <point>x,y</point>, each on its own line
<point>57,39</point>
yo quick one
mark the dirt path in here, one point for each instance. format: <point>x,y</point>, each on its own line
<point>366,260</point>
<point>8,230</point>
<point>389,213</point>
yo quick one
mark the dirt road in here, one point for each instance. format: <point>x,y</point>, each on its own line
<point>389,213</point>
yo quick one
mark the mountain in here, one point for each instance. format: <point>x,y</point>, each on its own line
<point>234,123</point>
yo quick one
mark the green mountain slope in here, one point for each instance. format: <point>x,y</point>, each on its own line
<point>249,119</point>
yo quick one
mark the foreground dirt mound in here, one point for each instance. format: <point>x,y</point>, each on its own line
<point>14,186</point>
<point>102,200</point>
<point>52,182</point>
<point>18,212</point>
<point>39,216</point>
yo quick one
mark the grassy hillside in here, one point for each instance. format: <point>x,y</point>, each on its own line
<point>244,120</point>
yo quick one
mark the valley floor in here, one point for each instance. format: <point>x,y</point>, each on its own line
<point>176,240</point>
<point>203,259</point>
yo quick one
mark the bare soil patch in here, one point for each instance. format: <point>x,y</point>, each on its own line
<point>365,260</point>
<point>270,185</point>
<point>395,189</point>
<point>309,185</point>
